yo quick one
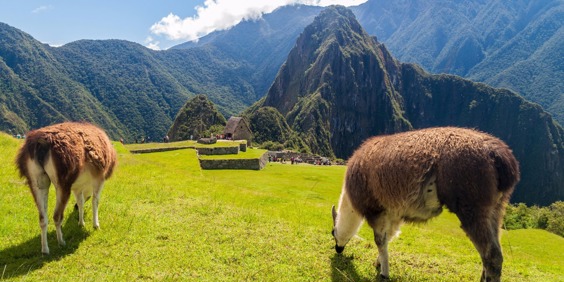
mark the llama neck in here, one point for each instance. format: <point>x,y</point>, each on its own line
<point>348,220</point>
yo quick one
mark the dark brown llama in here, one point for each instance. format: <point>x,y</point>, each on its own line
<point>75,157</point>
<point>410,176</point>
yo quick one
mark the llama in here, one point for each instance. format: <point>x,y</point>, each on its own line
<point>75,157</point>
<point>410,176</point>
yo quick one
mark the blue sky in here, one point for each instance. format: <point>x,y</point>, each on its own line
<point>157,24</point>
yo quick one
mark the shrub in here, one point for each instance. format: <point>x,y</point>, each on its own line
<point>519,216</point>
<point>556,218</point>
<point>272,146</point>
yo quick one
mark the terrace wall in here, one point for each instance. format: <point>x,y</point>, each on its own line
<point>252,164</point>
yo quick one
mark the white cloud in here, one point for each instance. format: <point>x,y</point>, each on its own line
<point>41,9</point>
<point>223,14</point>
<point>152,43</point>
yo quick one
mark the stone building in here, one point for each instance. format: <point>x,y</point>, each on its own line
<point>238,128</point>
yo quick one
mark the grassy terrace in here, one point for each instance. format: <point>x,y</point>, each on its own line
<point>251,153</point>
<point>180,144</point>
<point>164,219</point>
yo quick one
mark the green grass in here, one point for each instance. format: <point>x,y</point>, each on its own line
<point>163,218</point>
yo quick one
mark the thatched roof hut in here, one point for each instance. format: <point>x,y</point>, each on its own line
<point>238,128</point>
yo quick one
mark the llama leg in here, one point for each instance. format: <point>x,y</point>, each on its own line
<point>95,201</point>
<point>63,196</point>
<point>39,184</point>
<point>385,228</point>
<point>483,231</point>
<point>79,196</point>
<point>382,262</point>
<point>41,195</point>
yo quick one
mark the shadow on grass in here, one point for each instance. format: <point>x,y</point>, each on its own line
<point>343,269</point>
<point>26,257</point>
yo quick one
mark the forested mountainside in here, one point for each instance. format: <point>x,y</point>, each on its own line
<point>340,86</point>
<point>507,44</point>
<point>263,44</point>
<point>35,90</point>
<point>131,91</point>
<point>515,44</point>
<point>510,44</point>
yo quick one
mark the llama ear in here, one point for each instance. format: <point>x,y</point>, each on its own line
<point>334,213</point>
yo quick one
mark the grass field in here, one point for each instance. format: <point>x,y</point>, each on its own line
<point>164,219</point>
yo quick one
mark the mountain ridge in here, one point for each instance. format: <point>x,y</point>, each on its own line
<point>473,38</point>
<point>341,89</point>
<point>128,89</point>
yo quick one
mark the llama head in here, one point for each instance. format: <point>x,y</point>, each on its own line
<point>338,249</point>
<point>346,221</point>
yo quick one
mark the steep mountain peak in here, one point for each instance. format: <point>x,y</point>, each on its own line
<point>336,25</point>
<point>337,72</point>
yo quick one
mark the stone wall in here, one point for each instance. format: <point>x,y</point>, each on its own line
<point>253,164</point>
<point>155,150</point>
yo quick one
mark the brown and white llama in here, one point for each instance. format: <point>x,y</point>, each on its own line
<point>75,157</point>
<point>410,176</point>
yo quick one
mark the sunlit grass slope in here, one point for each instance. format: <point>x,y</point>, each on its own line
<point>164,219</point>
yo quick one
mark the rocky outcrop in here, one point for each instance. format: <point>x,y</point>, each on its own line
<point>196,120</point>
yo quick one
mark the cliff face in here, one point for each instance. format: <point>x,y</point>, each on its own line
<point>535,138</point>
<point>339,86</point>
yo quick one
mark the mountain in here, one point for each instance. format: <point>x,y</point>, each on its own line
<point>128,80</point>
<point>127,89</point>
<point>195,120</point>
<point>132,91</point>
<point>263,43</point>
<point>509,44</point>
<point>35,90</point>
<point>340,86</point>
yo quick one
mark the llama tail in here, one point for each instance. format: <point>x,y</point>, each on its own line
<point>34,149</point>
<point>507,168</point>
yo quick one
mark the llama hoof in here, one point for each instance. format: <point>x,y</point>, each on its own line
<point>383,277</point>
<point>378,265</point>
